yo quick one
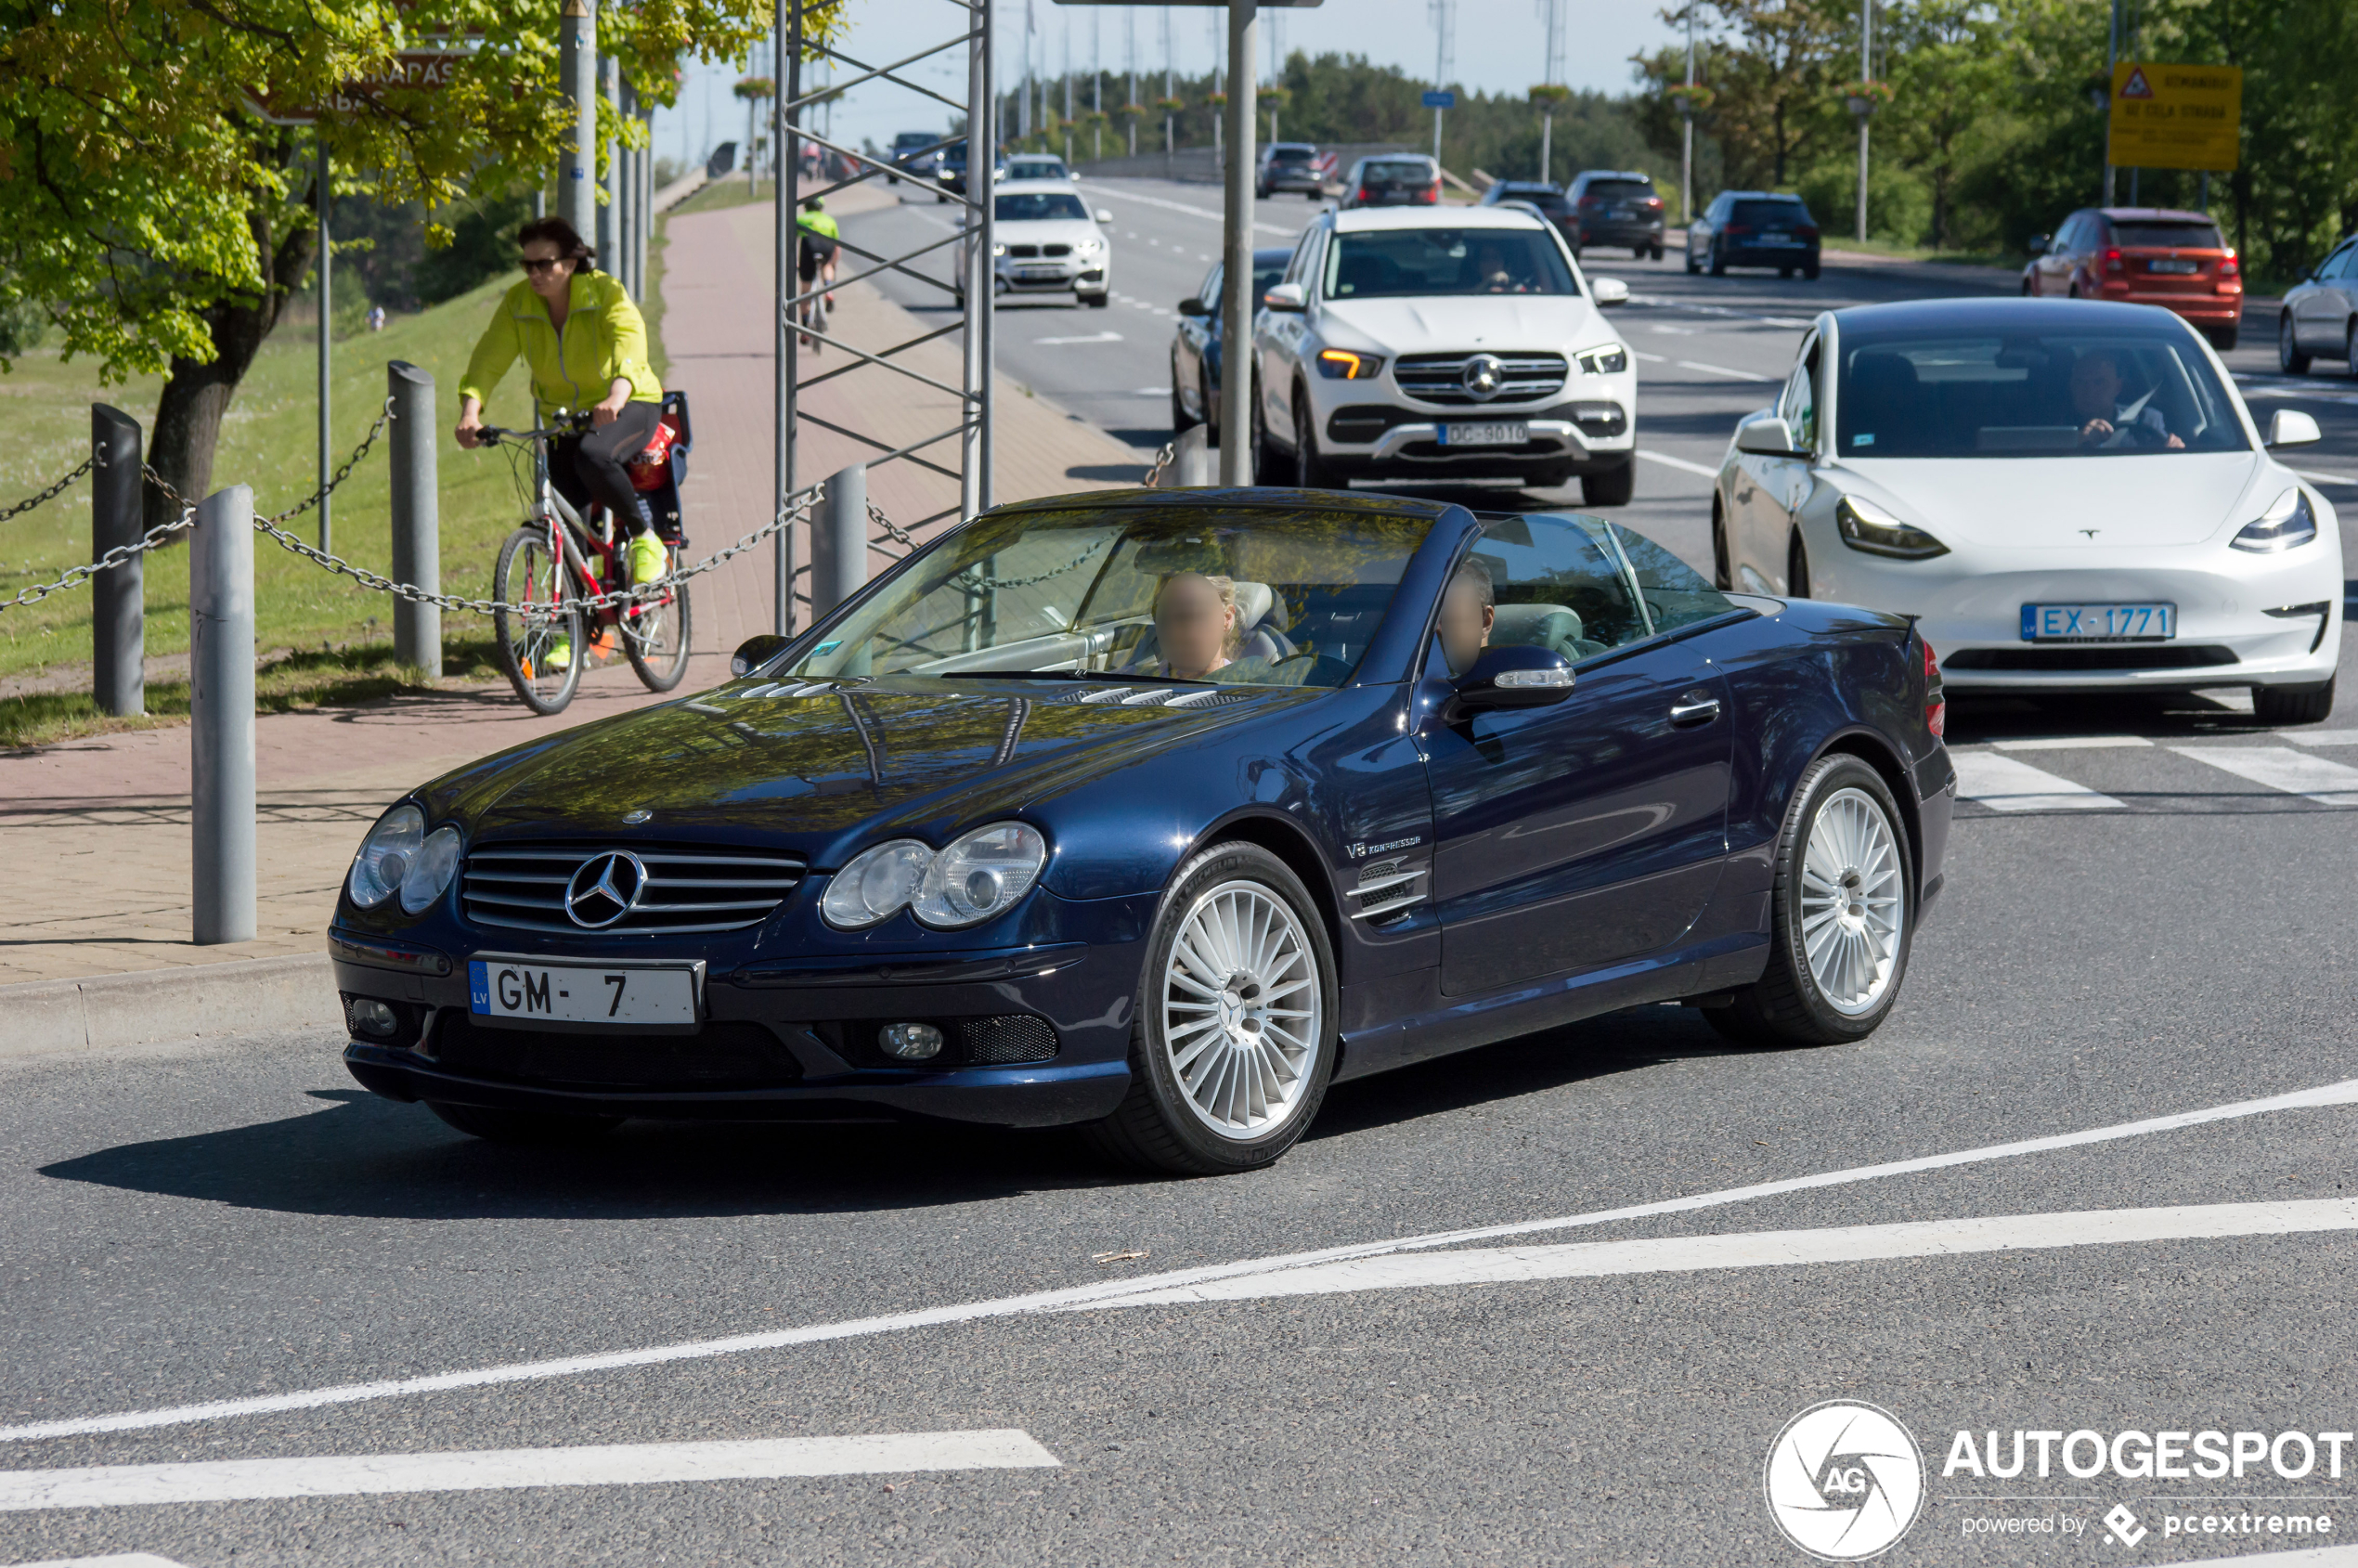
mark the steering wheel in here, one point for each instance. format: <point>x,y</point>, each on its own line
<point>1311,660</point>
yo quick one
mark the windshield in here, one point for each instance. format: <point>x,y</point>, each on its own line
<point>907,140</point>
<point>1290,154</point>
<point>2141,234</point>
<point>2029,395</point>
<point>1035,169</point>
<point>1394,262</point>
<point>1266,596</point>
<point>1039,206</point>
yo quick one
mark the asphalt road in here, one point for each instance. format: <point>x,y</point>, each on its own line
<point>233,1221</point>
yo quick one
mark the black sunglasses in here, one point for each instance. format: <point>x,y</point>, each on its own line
<point>535,264</point>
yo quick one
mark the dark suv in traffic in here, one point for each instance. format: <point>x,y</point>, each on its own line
<point>1289,165</point>
<point>1615,207</point>
<point>1754,228</point>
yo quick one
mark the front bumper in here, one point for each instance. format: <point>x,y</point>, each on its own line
<point>2208,310</point>
<point>1309,185</point>
<point>1053,275</point>
<point>1584,434</point>
<point>1608,232</point>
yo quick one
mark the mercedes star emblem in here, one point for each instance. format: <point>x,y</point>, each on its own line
<point>605,887</point>
<point>636,816</point>
<point>1482,376</point>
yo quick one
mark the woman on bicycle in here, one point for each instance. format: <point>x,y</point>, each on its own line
<point>815,252</point>
<point>585,345</point>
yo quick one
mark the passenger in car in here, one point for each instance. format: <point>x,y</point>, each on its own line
<point>2107,422</point>
<point>1469,610</point>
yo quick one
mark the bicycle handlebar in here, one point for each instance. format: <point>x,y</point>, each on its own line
<point>574,424</point>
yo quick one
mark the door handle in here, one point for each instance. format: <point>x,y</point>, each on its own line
<point>1693,710</point>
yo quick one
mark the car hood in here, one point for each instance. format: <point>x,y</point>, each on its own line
<point>1050,231</point>
<point>2047,503</point>
<point>1498,322</point>
<point>802,772</point>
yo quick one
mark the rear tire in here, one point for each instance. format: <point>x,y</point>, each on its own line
<point>2223,339</point>
<point>1694,266</point>
<point>526,576</point>
<point>523,1128</point>
<point>2292,705</point>
<point>657,638</point>
<point>1611,486</point>
<point>1719,261</point>
<point>1809,273</point>
<point>2349,349</point>
<point>1842,915</point>
<point>2289,358</point>
<point>1199,1065</point>
<point>1654,252</point>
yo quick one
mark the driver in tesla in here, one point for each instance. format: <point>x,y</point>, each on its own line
<point>2105,421</point>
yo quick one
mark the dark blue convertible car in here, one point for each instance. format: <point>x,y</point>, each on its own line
<point>1156,813</point>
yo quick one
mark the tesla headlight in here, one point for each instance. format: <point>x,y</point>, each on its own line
<point>1605,360</point>
<point>430,870</point>
<point>1869,527</point>
<point>383,861</point>
<point>1342,365</point>
<point>875,884</point>
<point>2288,523</point>
<point>980,874</point>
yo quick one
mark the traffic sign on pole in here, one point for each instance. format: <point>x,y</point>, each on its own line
<point>2175,116</point>
<point>1440,101</point>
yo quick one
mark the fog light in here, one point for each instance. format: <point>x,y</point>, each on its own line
<point>375,1017</point>
<point>911,1043</point>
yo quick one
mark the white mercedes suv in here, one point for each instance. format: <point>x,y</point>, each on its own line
<point>1441,344</point>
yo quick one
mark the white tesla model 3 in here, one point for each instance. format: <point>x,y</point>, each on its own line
<point>2069,494</point>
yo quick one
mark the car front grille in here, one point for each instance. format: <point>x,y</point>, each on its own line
<point>1055,249</point>
<point>1023,250</point>
<point>2196,655</point>
<point>1437,378</point>
<point>688,889</point>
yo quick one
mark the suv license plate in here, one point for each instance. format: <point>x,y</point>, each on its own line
<point>1502,432</point>
<point>2172,267</point>
<point>620,993</point>
<point>2099,623</point>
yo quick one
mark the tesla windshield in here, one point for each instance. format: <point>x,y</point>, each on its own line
<point>1392,262</point>
<point>1259,597</point>
<point>1039,206</point>
<point>2024,394</point>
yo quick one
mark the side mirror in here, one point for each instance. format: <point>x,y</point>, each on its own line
<point>1194,307</point>
<point>1105,214</point>
<point>2039,243</point>
<point>1609,291</point>
<point>1512,676</point>
<point>754,651</point>
<point>1769,437</point>
<point>1285,296</point>
<point>2291,427</point>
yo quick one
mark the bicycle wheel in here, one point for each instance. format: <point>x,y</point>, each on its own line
<point>654,638</point>
<point>528,577</point>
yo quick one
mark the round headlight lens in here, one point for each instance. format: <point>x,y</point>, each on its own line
<point>384,857</point>
<point>980,874</point>
<point>430,870</point>
<point>876,884</point>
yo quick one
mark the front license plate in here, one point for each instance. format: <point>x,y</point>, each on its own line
<point>2172,267</point>
<point>1502,432</point>
<point>2099,623</point>
<point>1039,274</point>
<point>568,993</point>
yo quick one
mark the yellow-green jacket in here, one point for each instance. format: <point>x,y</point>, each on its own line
<point>604,337</point>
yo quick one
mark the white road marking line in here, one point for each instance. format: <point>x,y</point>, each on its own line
<point>623,1464</point>
<point>2003,784</point>
<point>2071,743</point>
<point>1648,358</point>
<point>1668,330</point>
<point>1671,303</point>
<point>2316,478</point>
<point>2322,737</point>
<point>2315,1557</point>
<point>121,1560</point>
<point>1101,188</point>
<point>1152,392</point>
<point>1681,464</point>
<point>1093,337</point>
<point>1722,370</point>
<point>1109,1291</point>
<point>2313,778</point>
<point>1776,1249</point>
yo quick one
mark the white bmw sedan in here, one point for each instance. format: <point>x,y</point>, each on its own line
<point>2069,494</point>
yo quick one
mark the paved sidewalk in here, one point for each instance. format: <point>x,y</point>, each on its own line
<point>94,832</point>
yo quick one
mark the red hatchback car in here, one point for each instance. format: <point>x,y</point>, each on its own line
<point>2143,256</point>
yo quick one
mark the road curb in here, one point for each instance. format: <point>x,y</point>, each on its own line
<point>242,996</point>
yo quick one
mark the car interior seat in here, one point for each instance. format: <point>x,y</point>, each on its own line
<point>1554,627</point>
<point>1888,395</point>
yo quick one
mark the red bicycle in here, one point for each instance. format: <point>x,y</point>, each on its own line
<point>556,568</point>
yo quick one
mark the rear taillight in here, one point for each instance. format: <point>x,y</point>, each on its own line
<point>2113,261</point>
<point>1807,233</point>
<point>1365,195</point>
<point>1429,196</point>
<point>1936,705</point>
<point>1737,228</point>
<point>2227,268</point>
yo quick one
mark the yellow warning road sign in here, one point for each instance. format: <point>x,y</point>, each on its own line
<point>2175,116</point>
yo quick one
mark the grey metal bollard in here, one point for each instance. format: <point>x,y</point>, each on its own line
<point>118,605</point>
<point>1191,461</point>
<point>221,714</point>
<point>417,528</point>
<point>839,544</point>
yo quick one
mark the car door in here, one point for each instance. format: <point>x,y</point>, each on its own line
<point>1769,490</point>
<point>1593,831</point>
<point>2053,269</point>
<point>1279,334</point>
<point>1188,380</point>
<point>2319,311</point>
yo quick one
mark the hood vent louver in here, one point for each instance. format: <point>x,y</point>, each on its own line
<point>1149,696</point>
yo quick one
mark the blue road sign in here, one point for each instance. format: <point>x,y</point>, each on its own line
<point>1440,101</point>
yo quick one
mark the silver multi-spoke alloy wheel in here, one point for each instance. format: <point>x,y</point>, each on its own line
<point>1242,1009</point>
<point>1853,902</point>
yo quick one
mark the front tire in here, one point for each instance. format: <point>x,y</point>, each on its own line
<point>1269,465</point>
<point>2292,705</point>
<point>528,577</point>
<point>1611,486</point>
<point>2290,359</point>
<point>1719,261</point>
<point>1694,266</point>
<point>1234,1038</point>
<point>1842,915</point>
<point>523,1128</point>
<point>1311,472</point>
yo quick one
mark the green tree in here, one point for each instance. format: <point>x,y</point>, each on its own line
<point>1953,78</point>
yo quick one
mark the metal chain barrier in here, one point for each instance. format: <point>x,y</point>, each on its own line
<point>340,474</point>
<point>52,492</point>
<point>155,537</point>
<point>1162,460</point>
<point>893,531</point>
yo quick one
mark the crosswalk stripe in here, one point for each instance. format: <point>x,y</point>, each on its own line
<point>2323,737</point>
<point>2071,743</point>
<point>2328,784</point>
<point>2008,784</point>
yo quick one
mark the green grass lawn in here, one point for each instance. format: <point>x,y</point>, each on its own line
<point>321,636</point>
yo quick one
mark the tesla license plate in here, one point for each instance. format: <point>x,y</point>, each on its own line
<point>1501,432</point>
<point>501,988</point>
<point>2099,623</point>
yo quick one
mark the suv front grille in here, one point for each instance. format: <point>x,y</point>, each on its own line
<point>688,889</point>
<point>1436,378</point>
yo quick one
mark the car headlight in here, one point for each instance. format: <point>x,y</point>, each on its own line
<point>875,884</point>
<point>1342,365</point>
<point>980,874</point>
<point>2283,525</point>
<point>998,250</point>
<point>430,870</point>
<point>1088,246</point>
<point>383,861</point>
<point>1868,527</point>
<point>1605,360</point>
